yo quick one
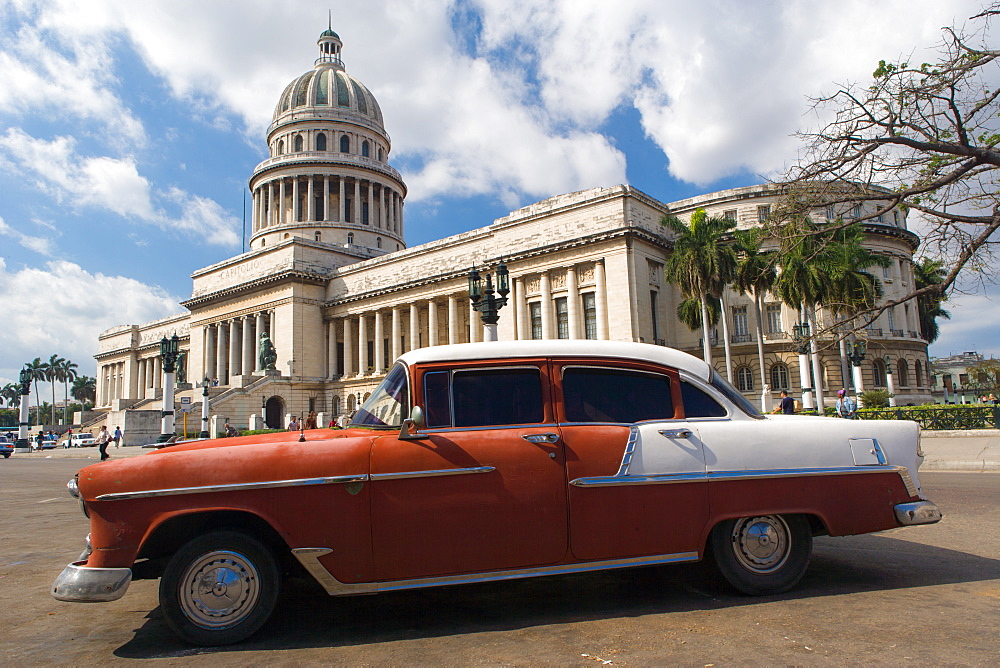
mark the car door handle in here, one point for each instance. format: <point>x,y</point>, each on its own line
<point>540,438</point>
<point>676,433</point>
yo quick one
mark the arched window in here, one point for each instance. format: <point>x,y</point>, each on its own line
<point>318,236</point>
<point>378,242</point>
<point>336,406</point>
<point>878,373</point>
<point>744,379</point>
<point>381,155</point>
<point>286,235</point>
<point>901,369</point>
<point>351,403</point>
<point>779,376</point>
<point>298,143</point>
<point>350,237</point>
<point>918,374</point>
<point>364,148</point>
<point>345,144</point>
<point>281,147</point>
<point>321,142</point>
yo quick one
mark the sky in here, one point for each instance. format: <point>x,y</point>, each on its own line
<point>128,130</point>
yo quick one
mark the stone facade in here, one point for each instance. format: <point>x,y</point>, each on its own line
<point>329,279</point>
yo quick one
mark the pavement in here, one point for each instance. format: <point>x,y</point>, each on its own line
<point>972,450</point>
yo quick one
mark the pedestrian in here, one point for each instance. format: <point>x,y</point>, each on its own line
<point>118,436</point>
<point>311,420</point>
<point>847,407</point>
<point>103,438</point>
<point>293,425</point>
<point>786,405</point>
<point>38,441</point>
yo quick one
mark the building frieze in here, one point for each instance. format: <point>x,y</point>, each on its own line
<point>284,277</point>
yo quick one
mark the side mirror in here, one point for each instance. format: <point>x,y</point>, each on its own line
<point>411,425</point>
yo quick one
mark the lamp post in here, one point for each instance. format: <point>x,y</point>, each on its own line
<point>205,383</point>
<point>484,300</point>
<point>168,353</point>
<point>890,385</point>
<point>263,411</point>
<point>856,354</point>
<point>23,444</point>
<point>800,334</point>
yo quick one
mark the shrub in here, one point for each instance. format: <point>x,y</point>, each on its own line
<point>875,398</point>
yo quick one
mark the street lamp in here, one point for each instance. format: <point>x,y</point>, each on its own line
<point>205,383</point>
<point>800,334</point>
<point>22,427</point>
<point>889,384</point>
<point>263,411</point>
<point>484,300</point>
<point>856,354</point>
<point>169,348</point>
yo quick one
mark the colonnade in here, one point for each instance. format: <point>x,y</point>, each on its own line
<point>280,200</point>
<point>232,347</point>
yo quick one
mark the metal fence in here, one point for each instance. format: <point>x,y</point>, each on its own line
<point>945,417</point>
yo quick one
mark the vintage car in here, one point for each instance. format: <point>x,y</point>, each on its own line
<point>82,440</point>
<point>6,447</point>
<point>493,461</point>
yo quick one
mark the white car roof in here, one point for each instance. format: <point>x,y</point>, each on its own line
<point>560,348</point>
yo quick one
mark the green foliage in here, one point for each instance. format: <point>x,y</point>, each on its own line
<point>254,432</point>
<point>875,398</point>
<point>939,417</point>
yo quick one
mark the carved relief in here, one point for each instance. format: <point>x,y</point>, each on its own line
<point>557,280</point>
<point>585,273</point>
<point>655,272</point>
<point>533,285</point>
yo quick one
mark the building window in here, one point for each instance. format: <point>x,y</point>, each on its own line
<point>829,214</point>
<point>878,373</point>
<point>345,144</point>
<point>381,155</point>
<point>918,371</point>
<point>281,147</point>
<point>744,379</point>
<point>536,320</point>
<point>298,143</point>
<point>895,218</point>
<point>378,242</point>
<point>319,205</point>
<point>741,329</point>
<point>779,376</point>
<point>885,271</point>
<point>321,142</point>
<point>878,218</point>
<point>318,236</point>
<point>590,316</point>
<point>856,211</point>
<point>773,313</point>
<point>763,213</point>
<point>348,210</point>
<point>891,315</point>
<point>350,237</point>
<point>902,373</point>
<point>730,215</point>
<point>364,213</point>
<point>562,318</point>
<point>653,308</point>
<point>364,149</point>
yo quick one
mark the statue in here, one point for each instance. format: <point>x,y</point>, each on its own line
<point>182,367</point>
<point>268,355</point>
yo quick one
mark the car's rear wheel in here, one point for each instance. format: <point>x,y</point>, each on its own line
<point>765,554</point>
<point>219,588</point>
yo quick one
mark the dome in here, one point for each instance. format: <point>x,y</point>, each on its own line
<point>329,89</point>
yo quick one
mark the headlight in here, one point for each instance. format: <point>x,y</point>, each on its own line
<point>74,491</point>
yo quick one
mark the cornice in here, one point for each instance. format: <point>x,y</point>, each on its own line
<point>282,277</point>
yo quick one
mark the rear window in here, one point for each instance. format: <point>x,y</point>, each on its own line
<point>483,397</point>
<point>595,394</point>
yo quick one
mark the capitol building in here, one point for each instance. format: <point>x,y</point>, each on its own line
<point>329,278</point>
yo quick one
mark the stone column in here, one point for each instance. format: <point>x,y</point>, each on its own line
<point>475,325</point>
<point>157,372</point>
<point>573,303</point>
<point>397,333</point>
<point>341,212</point>
<point>326,197</point>
<point>379,338</point>
<point>357,201</point>
<point>234,350</point>
<point>311,201</point>
<point>282,215</point>
<point>348,348</point>
<point>362,345</point>
<point>414,328</point>
<point>209,350</point>
<point>331,348</point>
<point>452,319</point>
<point>248,347</point>
<point>392,209</point>
<point>295,200</point>
<point>546,306</point>
<point>142,379</point>
<point>383,220</point>
<point>601,300</point>
<point>220,354</point>
<point>432,322</point>
<point>270,204</point>
<point>399,226</point>
<point>371,204</point>
<point>522,321</point>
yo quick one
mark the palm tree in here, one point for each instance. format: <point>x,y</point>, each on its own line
<point>689,312</point>
<point>53,373</point>
<point>68,375</point>
<point>702,264</point>
<point>756,274</point>
<point>926,273</point>
<point>84,389</point>
<point>11,394</point>
<point>37,369</point>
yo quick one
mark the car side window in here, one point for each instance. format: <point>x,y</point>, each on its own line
<point>483,397</point>
<point>698,403</point>
<point>595,394</point>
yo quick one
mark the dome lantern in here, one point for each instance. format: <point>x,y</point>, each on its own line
<point>329,48</point>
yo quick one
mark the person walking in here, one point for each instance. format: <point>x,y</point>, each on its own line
<point>786,405</point>
<point>118,437</point>
<point>103,438</point>
<point>847,407</point>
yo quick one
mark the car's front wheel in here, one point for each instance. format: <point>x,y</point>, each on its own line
<point>219,588</point>
<point>765,554</point>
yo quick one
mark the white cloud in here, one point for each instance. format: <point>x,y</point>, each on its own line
<point>60,308</point>
<point>40,245</point>
<point>972,327</point>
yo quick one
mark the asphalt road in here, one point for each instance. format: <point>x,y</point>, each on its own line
<point>922,595</point>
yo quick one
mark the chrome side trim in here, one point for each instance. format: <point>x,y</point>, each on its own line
<point>633,436</point>
<point>430,431</point>
<point>270,484</point>
<point>713,476</point>
<point>309,557</point>
<point>433,473</point>
<point>904,473</point>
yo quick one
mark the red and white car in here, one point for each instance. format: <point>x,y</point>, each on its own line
<point>494,461</point>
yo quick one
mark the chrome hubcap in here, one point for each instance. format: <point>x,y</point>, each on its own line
<point>219,589</point>
<point>761,544</point>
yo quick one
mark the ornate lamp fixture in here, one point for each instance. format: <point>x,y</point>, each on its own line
<point>205,384</point>
<point>169,349</point>
<point>484,299</point>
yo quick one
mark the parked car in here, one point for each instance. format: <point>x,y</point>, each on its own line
<point>6,447</point>
<point>494,461</point>
<point>81,440</point>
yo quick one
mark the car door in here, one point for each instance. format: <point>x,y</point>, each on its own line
<point>636,468</point>
<point>483,488</point>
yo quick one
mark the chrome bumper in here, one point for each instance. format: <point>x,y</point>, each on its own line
<point>917,512</point>
<point>83,584</point>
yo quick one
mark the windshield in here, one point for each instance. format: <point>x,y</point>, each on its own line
<point>722,385</point>
<point>388,404</point>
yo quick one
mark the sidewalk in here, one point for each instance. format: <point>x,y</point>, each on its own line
<point>973,450</point>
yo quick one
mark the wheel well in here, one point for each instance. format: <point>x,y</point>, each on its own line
<point>169,536</point>
<point>816,526</point>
